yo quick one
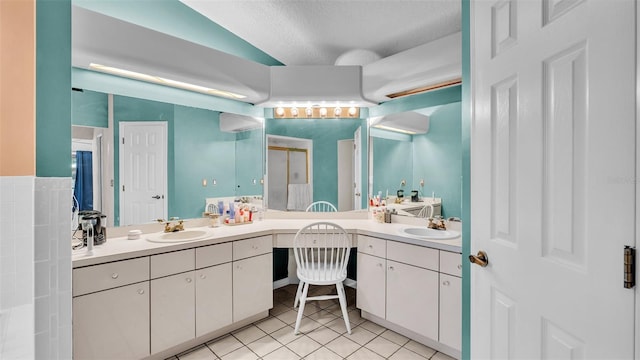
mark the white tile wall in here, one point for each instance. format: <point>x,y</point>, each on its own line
<point>35,268</point>
<point>16,267</point>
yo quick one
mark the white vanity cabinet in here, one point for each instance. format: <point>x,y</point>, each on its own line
<point>403,287</point>
<point>172,299</point>
<point>371,289</point>
<point>412,298</point>
<point>214,289</point>
<point>451,299</point>
<point>111,310</point>
<point>142,307</point>
<point>252,277</point>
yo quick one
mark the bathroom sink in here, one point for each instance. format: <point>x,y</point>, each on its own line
<point>179,236</point>
<point>426,233</point>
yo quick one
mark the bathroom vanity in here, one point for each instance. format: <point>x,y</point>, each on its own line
<point>140,299</point>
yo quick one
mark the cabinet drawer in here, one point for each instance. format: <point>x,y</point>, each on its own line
<point>413,255</point>
<point>451,263</point>
<point>172,263</point>
<point>284,240</point>
<point>213,255</point>
<point>110,275</point>
<point>252,247</point>
<point>372,246</point>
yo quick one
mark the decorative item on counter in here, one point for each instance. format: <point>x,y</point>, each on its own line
<point>414,196</point>
<point>134,234</point>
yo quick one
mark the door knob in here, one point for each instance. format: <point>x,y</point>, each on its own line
<point>481,259</point>
<point>157,197</point>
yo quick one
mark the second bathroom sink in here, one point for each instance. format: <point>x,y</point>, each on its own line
<point>179,236</point>
<point>426,233</point>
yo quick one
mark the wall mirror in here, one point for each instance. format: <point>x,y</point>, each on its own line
<point>310,160</point>
<point>428,163</point>
<point>201,160</point>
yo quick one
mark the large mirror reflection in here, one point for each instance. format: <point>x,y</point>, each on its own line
<point>319,161</point>
<point>168,159</point>
<point>411,171</point>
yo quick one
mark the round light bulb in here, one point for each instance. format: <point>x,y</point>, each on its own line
<point>337,111</point>
<point>309,111</point>
<point>294,112</point>
<point>352,111</point>
<point>323,112</point>
<point>280,111</point>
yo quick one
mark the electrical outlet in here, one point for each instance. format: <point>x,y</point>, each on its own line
<point>214,182</point>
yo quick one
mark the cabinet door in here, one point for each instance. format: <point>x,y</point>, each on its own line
<point>112,324</point>
<point>172,310</point>
<point>213,298</point>
<point>450,310</point>
<point>252,286</point>
<point>412,298</point>
<point>370,292</point>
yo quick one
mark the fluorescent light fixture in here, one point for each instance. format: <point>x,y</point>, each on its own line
<point>391,128</point>
<point>164,81</point>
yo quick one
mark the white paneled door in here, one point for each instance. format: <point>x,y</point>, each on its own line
<point>143,171</point>
<point>552,178</point>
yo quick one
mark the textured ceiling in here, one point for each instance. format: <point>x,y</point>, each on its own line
<point>306,32</point>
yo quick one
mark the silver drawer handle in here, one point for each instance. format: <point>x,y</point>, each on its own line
<point>370,246</point>
<point>445,283</point>
<point>114,275</point>
<point>391,268</point>
<point>254,247</point>
<point>140,291</point>
<point>203,276</point>
<point>459,266</point>
<point>188,280</point>
<point>380,264</point>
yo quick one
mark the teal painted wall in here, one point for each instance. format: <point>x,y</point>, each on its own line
<point>53,88</point>
<point>437,158</point>
<point>89,108</point>
<point>201,151</point>
<point>393,162</point>
<point>250,162</point>
<point>325,133</point>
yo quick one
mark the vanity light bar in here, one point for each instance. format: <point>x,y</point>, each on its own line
<point>164,81</point>
<point>316,112</point>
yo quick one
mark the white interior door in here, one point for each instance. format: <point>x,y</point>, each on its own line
<point>143,171</point>
<point>345,175</point>
<point>357,169</point>
<point>552,163</point>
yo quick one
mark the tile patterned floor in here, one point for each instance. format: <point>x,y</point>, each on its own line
<point>323,335</point>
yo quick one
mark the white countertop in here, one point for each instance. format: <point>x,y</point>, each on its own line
<point>120,248</point>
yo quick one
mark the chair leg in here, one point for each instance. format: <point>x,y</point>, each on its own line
<point>343,305</point>
<point>298,293</point>
<point>303,299</point>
